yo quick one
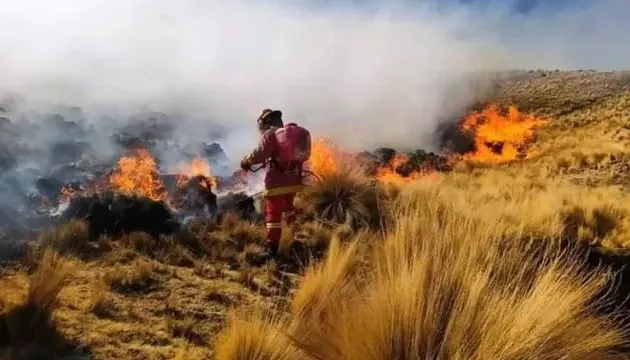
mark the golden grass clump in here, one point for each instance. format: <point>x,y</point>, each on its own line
<point>441,285</point>
<point>27,327</point>
<point>135,277</point>
<point>101,303</point>
<point>346,196</point>
<point>255,339</point>
<point>71,237</point>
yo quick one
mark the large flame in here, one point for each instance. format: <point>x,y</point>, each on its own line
<point>327,157</point>
<point>198,166</point>
<point>136,174</point>
<point>500,137</point>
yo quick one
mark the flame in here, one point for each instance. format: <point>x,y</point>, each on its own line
<point>325,157</point>
<point>136,174</point>
<point>388,173</point>
<point>500,137</point>
<point>198,166</point>
<point>67,193</point>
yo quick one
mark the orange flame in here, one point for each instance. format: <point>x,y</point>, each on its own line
<point>500,137</point>
<point>67,193</point>
<point>388,174</point>
<point>136,174</point>
<point>325,157</point>
<point>197,166</point>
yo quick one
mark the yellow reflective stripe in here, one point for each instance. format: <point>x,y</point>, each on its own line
<point>274,225</point>
<point>283,190</point>
<point>288,213</point>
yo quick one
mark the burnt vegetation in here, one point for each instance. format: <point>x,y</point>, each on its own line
<point>527,260</point>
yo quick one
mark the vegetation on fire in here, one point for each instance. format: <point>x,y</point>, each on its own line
<point>467,264</point>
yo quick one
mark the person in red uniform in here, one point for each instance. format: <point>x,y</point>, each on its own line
<point>284,149</point>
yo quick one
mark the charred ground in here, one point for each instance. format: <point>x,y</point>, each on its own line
<point>141,288</point>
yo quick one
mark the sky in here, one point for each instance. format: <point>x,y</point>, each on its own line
<point>386,72</point>
<point>529,6</point>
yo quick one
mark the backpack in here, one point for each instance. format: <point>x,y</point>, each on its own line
<point>294,145</point>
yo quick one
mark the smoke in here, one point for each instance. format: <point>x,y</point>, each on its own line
<point>365,74</point>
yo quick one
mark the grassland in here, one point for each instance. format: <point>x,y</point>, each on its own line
<point>464,265</point>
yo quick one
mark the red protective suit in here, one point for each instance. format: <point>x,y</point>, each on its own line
<point>282,182</point>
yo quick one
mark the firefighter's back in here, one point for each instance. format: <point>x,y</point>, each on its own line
<point>294,145</point>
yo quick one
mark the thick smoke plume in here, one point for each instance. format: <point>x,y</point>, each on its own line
<point>385,72</point>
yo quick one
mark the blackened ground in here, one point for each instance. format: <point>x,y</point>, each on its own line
<point>455,141</point>
<point>115,214</point>
<point>238,203</point>
<point>417,161</point>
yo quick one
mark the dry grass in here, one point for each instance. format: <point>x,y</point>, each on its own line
<point>26,326</point>
<point>69,238</point>
<point>439,287</point>
<point>467,268</point>
<point>136,277</point>
<point>537,207</point>
<point>101,303</point>
<point>347,196</point>
<point>255,339</point>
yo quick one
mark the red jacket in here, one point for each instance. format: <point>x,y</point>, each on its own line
<point>277,180</point>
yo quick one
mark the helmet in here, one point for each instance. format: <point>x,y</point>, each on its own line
<point>269,118</point>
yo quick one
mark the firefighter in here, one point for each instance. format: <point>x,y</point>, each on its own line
<point>284,149</point>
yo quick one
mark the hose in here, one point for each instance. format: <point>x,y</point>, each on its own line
<point>304,172</point>
<point>252,169</point>
<point>307,172</point>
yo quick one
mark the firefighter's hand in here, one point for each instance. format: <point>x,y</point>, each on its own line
<point>246,164</point>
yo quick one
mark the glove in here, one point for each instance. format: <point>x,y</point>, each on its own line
<point>246,164</point>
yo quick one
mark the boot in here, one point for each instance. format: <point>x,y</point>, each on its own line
<point>271,253</point>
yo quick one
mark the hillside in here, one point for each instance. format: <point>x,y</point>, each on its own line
<point>454,276</point>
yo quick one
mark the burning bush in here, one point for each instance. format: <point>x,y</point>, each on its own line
<point>489,135</point>
<point>500,135</point>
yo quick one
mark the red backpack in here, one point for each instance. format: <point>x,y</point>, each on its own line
<point>294,145</point>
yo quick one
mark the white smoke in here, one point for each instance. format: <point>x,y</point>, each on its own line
<point>365,75</point>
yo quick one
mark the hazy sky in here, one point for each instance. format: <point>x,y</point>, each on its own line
<point>387,72</point>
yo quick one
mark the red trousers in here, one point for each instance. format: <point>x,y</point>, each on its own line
<point>277,208</point>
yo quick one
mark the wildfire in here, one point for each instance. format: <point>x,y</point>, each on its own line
<point>67,192</point>
<point>388,173</point>
<point>325,157</point>
<point>196,167</point>
<point>500,137</point>
<point>136,174</point>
